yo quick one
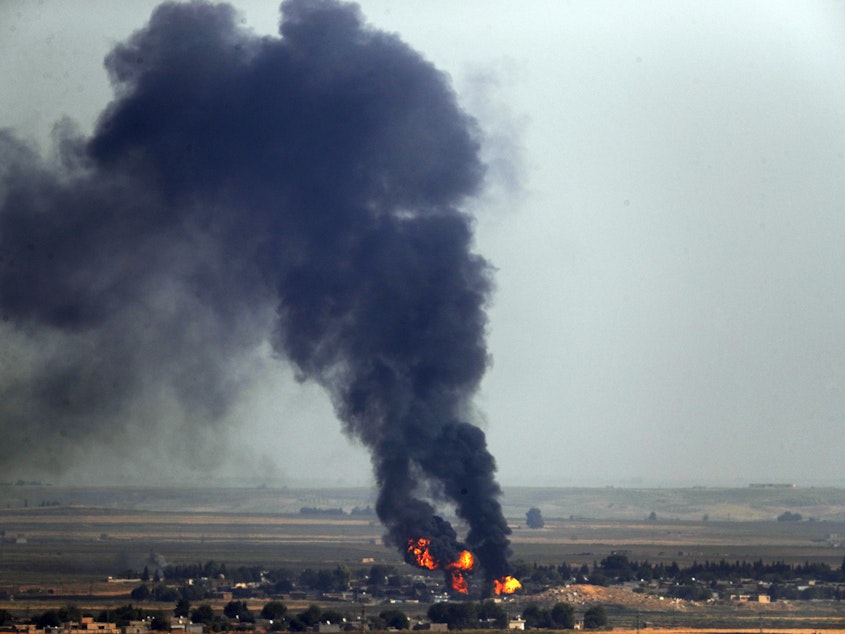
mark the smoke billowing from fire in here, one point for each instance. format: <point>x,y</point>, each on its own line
<point>419,553</point>
<point>306,186</point>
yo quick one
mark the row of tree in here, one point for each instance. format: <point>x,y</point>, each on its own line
<point>491,615</point>
<point>282,580</point>
<point>696,581</point>
<point>617,568</point>
<point>237,615</point>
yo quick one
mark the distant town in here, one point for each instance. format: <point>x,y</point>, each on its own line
<point>377,597</point>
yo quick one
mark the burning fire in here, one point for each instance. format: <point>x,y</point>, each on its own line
<point>464,563</point>
<point>418,548</point>
<point>506,585</point>
<point>459,582</point>
<point>421,556</point>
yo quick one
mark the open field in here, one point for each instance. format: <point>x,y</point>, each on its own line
<point>61,544</point>
<point>95,533</point>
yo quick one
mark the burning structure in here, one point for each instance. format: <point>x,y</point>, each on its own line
<point>420,552</point>
<point>320,174</point>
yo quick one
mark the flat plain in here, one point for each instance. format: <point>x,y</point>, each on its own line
<point>61,543</point>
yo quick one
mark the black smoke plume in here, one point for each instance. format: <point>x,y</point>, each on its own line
<point>306,185</point>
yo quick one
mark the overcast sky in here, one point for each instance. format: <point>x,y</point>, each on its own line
<point>665,211</point>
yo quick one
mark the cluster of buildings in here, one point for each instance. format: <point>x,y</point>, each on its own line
<point>87,625</point>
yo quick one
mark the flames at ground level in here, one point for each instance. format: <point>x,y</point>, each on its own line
<point>419,554</point>
<point>418,549</point>
<point>506,585</point>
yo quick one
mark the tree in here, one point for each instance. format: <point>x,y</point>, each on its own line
<point>379,574</point>
<point>563,616</point>
<point>459,616</point>
<point>439,612</point>
<point>70,612</point>
<point>295,625</point>
<point>534,518</point>
<point>56,617</point>
<point>463,616</point>
<point>617,566</point>
<point>595,618</point>
<point>396,619</point>
<point>310,616</point>
<point>193,592</point>
<point>203,614</point>
<point>787,516</point>
<point>159,622</point>
<point>165,594</point>
<point>308,578</point>
<point>238,611</point>
<point>332,616</point>
<point>183,608</point>
<point>336,580</point>
<point>536,618</point>
<point>125,614</point>
<point>50,618</point>
<point>283,580</point>
<point>274,611</point>
<point>491,611</point>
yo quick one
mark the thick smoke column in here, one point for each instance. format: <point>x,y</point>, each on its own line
<point>319,174</point>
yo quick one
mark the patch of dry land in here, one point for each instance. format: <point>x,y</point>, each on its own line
<point>627,608</point>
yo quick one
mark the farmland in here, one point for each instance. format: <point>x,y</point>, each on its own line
<point>62,544</point>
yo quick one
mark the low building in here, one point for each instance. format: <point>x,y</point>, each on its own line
<point>88,624</point>
<point>136,627</point>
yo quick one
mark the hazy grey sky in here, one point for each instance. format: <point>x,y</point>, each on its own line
<point>666,212</point>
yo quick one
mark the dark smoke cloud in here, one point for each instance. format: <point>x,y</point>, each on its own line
<point>307,186</point>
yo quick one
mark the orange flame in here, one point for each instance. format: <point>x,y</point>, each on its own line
<point>422,557</point>
<point>459,582</point>
<point>464,563</point>
<point>506,585</point>
<point>419,550</point>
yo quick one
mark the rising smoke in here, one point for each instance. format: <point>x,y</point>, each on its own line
<point>307,186</point>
